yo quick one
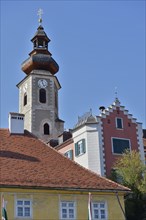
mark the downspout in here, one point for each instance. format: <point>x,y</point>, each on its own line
<point>120,205</point>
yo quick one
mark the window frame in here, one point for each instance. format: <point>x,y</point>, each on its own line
<point>23,206</point>
<point>80,148</point>
<point>44,129</point>
<point>120,139</point>
<point>99,210</point>
<point>42,92</point>
<point>67,208</point>
<point>117,126</point>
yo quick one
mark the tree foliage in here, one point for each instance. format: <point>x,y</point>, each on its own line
<point>132,172</point>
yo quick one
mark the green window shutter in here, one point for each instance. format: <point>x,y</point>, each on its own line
<point>76,149</point>
<point>84,146</point>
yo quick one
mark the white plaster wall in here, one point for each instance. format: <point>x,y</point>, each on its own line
<point>77,136</point>
<point>93,149</point>
<point>93,158</point>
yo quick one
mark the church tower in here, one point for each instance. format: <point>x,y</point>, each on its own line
<point>38,91</point>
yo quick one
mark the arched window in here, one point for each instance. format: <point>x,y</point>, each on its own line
<point>25,99</point>
<point>42,95</point>
<point>46,129</point>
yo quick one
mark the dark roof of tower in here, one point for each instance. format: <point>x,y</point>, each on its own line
<point>40,57</point>
<point>40,33</point>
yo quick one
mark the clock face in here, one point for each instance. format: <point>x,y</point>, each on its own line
<point>42,83</point>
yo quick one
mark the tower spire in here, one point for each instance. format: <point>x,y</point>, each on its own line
<point>40,57</point>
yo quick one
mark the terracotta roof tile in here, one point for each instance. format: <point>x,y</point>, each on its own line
<point>26,161</point>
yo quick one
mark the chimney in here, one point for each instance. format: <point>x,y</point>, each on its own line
<point>16,123</point>
<point>101,108</point>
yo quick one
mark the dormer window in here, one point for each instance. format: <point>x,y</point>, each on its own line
<point>46,129</point>
<point>25,99</point>
<point>119,123</point>
<point>42,95</point>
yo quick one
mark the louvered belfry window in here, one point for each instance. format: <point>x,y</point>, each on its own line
<point>42,95</point>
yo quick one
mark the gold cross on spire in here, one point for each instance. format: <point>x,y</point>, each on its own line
<point>40,12</point>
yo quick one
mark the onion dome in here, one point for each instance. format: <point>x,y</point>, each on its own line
<point>40,58</point>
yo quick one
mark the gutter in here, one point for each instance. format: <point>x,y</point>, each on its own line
<point>67,189</point>
<point>123,211</point>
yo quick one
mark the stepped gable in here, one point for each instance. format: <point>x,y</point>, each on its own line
<point>28,162</point>
<point>116,106</point>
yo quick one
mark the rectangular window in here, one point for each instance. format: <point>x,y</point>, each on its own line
<point>120,145</point>
<point>69,154</point>
<point>99,211</point>
<point>119,123</point>
<point>80,147</point>
<point>23,208</point>
<point>67,210</point>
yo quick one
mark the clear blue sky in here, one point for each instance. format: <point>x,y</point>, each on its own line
<point>99,45</point>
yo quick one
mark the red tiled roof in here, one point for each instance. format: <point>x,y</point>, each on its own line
<point>25,161</point>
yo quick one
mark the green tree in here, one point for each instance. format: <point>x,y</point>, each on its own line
<point>130,171</point>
